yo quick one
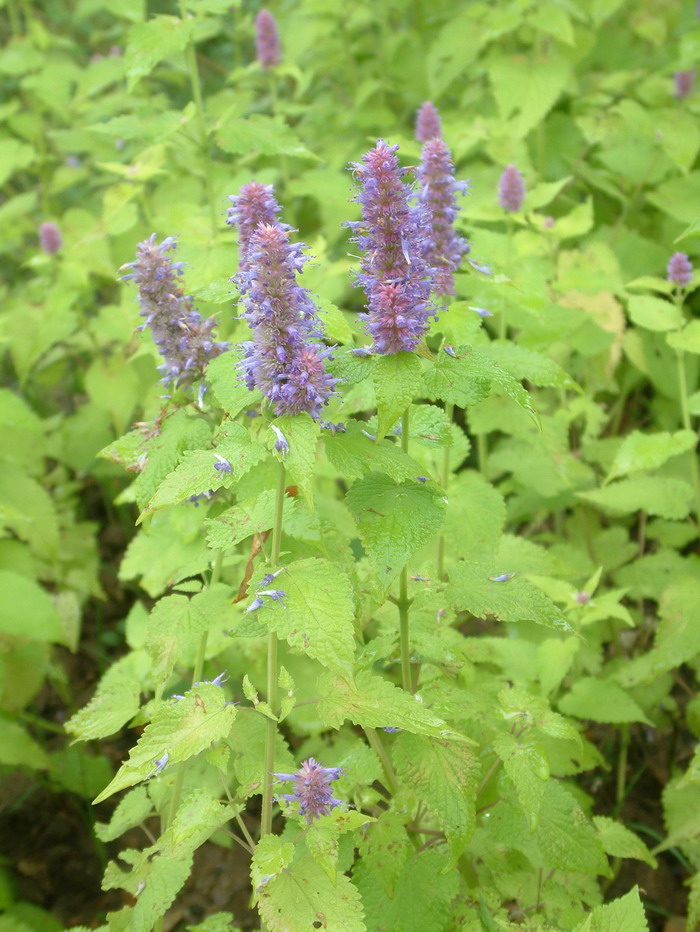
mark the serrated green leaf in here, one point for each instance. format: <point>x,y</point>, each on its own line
<point>395,520</point>
<point>656,495</point>
<point>449,381</point>
<point>301,433</point>
<point>478,589</point>
<point>640,452</point>
<point>197,472</point>
<point>623,915</point>
<point>116,700</point>
<point>619,842</point>
<point>263,134</point>
<point>523,363</point>
<point>528,86</point>
<point>372,702</point>
<point>316,616</point>
<point>270,857</point>
<point>252,516</point>
<point>354,455</point>
<point>528,769</point>
<point>151,42</point>
<point>229,390</point>
<point>27,610</point>
<point>601,701</point>
<point>654,313</point>
<point>396,383</point>
<point>179,728</point>
<point>564,835</point>
<point>19,749</point>
<point>444,777</point>
<point>247,741</point>
<point>132,810</point>
<point>686,340</point>
<point>475,517</point>
<point>430,426</point>
<point>293,900</point>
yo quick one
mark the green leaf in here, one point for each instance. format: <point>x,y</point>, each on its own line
<point>260,134</point>
<point>133,810</point>
<point>271,857</point>
<point>523,363</point>
<point>14,156</point>
<point>27,610</point>
<point>470,376</point>
<point>443,775</point>
<point>179,728</point>
<point>623,915</point>
<point>252,516</point>
<point>19,749</point>
<point>336,328</point>
<point>116,700</point>
<point>301,433</point>
<point>640,452</point>
<point>294,899</point>
<point>372,702</point>
<point>654,313</point>
<point>690,232</point>
<point>686,340</point>
<point>395,520</point>
<point>354,455</point>
<point>151,42</point>
<point>619,842</point>
<point>601,701</point>
<point>316,617</point>
<point>28,511</point>
<point>229,390</point>
<point>528,86</point>
<point>396,383</point>
<point>475,516</point>
<point>247,741</point>
<point>656,495</point>
<point>566,838</point>
<point>196,474</point>
<point>430,426</point>
<point>322,838</point>
<point>475,588</point>
<point>528,769</point>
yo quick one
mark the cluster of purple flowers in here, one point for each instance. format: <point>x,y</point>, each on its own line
<point>285,359</point>
<point>428,125</point>
<point>511,189</point>
<point>395,273</point>
<point>438,194</point>
<point>261,593</point>
<point>267,42</point>
<point>184,338</point>
<point>683,82</point>
<point>679,270</point>
<point>50,238</point>
<point>312,789</point>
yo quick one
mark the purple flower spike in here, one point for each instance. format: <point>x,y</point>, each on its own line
<point>285,359</point>
<point>312,789</point>
<point>50,238</point>
<point>438,194</point>
<point>184,338</point>
<point>683,83</point>
<point>679,270</point>
<point>255,203</point>
<point>511,190</point>
<point>428,124</point>
<point>267,41</point>
<point>395,274</point>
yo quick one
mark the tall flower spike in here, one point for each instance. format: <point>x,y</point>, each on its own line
<point>679,270</point>
<point>683,83</point>
<point>267,42</point>
<point>511,190</point>
<point>285,358</point>
<point>50,238</point>
<point>255,203</point>
<point>438,193</point>
<point>312,789</point>
<point>428,124</point>
<point>395,275</point>
<point>184,338</point>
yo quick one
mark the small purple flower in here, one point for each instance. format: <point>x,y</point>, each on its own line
<point>267,41</point>
<point>268,578</point>
<point>391,235</point>
<point>421,479</point>
<point>428,124</point>
<point>277,595</point>
<point>438,193</point>
<point>450,350</point>
<point>480,267</point>
<point>255,605</point>
<point>391,729</point>
<point>184,338</point>
<point>511,189</point>
<point>582,598</point>
<point>504,577</point>
<point>312,789</point>
<point>281,444</point>
<point>679,270</point>
<point>364,352</point>
<point>683,83</point>
<point>480,311</point>
<point>50,238</point>
<point>161,763</point>
<point>222,464</point>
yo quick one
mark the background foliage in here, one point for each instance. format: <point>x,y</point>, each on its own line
<point>553,741</point>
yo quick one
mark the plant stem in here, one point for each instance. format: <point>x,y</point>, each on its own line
<point>376,744</point>
<point>403,602</point>
<point>191,58</point>
<point>685,414</point>
<point>445,479</point>
<point>272,672</point>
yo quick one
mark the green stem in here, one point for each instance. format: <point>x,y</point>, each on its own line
<point>445,479</point>
<point>274,106</point>
<point>191,58</point>
<point>403,602</point>
<point>272,672</point>
<point>502,325</point>
<point>685,414</point>
<point>376,744</point>
<point>482,452</point>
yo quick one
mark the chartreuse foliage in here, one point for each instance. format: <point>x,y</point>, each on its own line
<point>520,494</point>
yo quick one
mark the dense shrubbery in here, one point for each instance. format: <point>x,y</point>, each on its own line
<point>362,577</point>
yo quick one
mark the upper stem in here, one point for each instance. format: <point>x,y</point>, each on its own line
<point>404,602</point>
